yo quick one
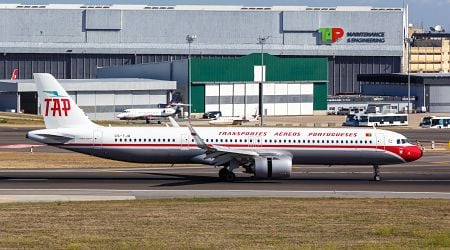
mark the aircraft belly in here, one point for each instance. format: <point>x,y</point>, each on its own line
<point>345,157</point>
<point>142,155</point>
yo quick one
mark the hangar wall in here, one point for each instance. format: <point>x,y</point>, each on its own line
<point>90,36</point>
<point>293,86</point>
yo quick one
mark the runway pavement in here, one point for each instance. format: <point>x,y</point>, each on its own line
<point>427,178</point>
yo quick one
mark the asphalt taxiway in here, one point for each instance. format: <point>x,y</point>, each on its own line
<point>428,177</point>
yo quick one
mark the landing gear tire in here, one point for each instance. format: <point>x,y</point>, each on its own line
<point>229,176</point>
<point>222,173</point>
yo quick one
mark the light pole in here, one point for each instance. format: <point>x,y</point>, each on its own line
<point>262,41</point>
<point>189,39</point>
<point>408,42</point>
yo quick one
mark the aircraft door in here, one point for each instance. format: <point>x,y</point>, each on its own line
<point>97,139</point>
<point>185,140</point>
<point>381,143</point>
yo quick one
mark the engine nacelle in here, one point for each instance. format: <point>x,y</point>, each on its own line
<point>273,167</point>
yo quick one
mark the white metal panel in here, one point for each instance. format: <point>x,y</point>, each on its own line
<point>157,99</point>
<point>226,89</point>
<point>86,98</point>
<point>239,89</point>
<point>294,89</point>
<point>306,109</point>
<point>307,89</point>
<point>251,89</point>
<point>123,98</point>
<point>104,98</point>
<point>211,107</point>
<point>269,88</point>
<point>281,89</point>
<point>226,109</point>
<point>238,109</point>
<point>257,73</point>
<point>268,109</point>
<point>212,90</point>
<point>294,109</point>
<point>141,98</point>
<point>280,109</point>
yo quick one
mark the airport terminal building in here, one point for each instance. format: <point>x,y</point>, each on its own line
<point>72,40</point>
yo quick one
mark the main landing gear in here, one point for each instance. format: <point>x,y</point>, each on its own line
<point>376,173</point>
<point>226,173</point>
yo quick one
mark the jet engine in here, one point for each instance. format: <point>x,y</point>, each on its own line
<point>273,166</point>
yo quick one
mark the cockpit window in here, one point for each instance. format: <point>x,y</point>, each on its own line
<point>403,141</point>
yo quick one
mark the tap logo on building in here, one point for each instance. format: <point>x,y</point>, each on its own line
<point>57,105</point>
<point>331,35</point>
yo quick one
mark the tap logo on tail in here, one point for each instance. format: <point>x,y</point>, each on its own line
<point>56,105</point>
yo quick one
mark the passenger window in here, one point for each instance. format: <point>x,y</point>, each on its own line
<point>159,140</point>
<point>164,140</point>
<point>245,140</point>
<point>289,141</point>
<point>115,140</point>
<point>134,139</point>
<point>120,140</point>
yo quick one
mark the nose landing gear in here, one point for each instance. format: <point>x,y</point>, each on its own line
<point>376,173</point>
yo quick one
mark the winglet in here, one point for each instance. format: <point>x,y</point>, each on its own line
<point>199,141</point>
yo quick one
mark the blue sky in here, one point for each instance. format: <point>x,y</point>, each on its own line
<point>426,12</point>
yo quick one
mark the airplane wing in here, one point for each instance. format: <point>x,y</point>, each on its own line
<point>220,154</point>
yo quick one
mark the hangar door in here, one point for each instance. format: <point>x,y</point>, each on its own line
<point>241,99</point>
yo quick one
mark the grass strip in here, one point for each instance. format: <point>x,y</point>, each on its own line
<point>244,223</point>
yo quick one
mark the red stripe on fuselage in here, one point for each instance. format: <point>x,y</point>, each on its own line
<point>408,153</point>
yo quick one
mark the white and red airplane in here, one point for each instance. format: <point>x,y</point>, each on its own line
<point>261,151</point>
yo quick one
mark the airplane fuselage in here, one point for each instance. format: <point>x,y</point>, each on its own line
<point>324,146</point>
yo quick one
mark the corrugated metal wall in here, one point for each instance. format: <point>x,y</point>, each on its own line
<point>343,71</point>
<point>76,66</point>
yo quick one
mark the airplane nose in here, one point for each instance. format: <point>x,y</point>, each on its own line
<point>412,153</point>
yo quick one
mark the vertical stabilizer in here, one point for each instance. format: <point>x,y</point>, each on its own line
<point>15,74</point>
<point>57,108</point>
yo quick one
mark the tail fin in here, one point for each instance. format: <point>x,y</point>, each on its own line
<point>15,74</point>
<point>58,109</point>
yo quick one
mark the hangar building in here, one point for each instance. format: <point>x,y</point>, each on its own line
<point>292,86</point>
<point>100,99</point>
<point>72,40</point>
<point>430,91</point>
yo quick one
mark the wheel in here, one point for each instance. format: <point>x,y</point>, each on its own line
<point>222,173</point>
<point>230,176</point>
<point>377,178</point>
